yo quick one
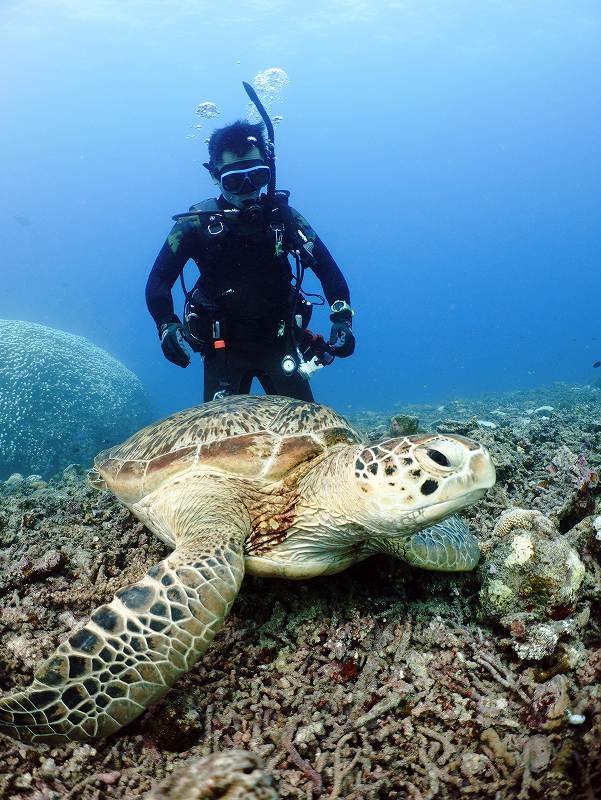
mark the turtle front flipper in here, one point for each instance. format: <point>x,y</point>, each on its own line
<point>447,546</point>
<point>135,647</point>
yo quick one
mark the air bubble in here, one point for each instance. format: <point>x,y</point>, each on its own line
<point>271,81</point>
<point>207,110</point>
<point>269,85</point>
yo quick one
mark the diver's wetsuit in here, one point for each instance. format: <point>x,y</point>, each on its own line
<point>251,286</point>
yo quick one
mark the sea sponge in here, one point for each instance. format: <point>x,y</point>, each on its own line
<point>62,399</point>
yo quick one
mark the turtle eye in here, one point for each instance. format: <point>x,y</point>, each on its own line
<point>441,455</point>
<point>438,457</point>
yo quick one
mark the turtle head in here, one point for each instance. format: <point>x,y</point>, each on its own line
<point>409,483</point>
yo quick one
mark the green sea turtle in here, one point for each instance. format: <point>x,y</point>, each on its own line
<point>264,485</point>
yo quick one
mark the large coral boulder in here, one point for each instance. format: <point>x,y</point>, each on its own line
<point>62,399</point>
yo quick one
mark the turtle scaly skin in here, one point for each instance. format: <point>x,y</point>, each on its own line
<point>266,485</point>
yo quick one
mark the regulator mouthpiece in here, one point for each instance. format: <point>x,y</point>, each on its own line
<point>252,213</point>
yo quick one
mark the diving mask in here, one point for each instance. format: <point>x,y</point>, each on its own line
<point>237,179</point>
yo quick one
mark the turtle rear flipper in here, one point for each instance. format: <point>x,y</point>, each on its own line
<point>135,647</point>
<point>447,546</point>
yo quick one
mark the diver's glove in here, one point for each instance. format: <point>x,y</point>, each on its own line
<point>172,343</point>
<point>342,341</point>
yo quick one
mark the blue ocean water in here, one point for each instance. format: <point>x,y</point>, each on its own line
<point>448,152</point>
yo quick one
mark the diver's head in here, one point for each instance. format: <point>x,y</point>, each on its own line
<point>238,161</point>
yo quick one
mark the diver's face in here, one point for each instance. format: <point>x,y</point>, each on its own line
<point>228,157</point>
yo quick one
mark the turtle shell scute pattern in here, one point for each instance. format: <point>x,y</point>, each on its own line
<point>244,435</point>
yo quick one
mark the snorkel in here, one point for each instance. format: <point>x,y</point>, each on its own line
<point>254,98</point>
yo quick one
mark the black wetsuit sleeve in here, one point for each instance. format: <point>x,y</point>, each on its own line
<point>169,263</point>
<point>331,278</point>
<point>327,270</point>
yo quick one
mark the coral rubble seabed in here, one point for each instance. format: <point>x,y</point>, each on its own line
<point>381,682</point>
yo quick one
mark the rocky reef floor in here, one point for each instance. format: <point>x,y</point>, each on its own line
<point>381,682</point>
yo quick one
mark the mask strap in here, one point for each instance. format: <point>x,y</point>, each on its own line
<point>213,172</point>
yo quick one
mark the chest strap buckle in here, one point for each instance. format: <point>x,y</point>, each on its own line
<point>215,226</point>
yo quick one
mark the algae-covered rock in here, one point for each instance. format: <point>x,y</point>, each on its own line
<point>231,775</point>
<point>531,568</point>
<point>175,725</point>
<point>549,705</point>
<point>403,425</point>
<point>531,581</point>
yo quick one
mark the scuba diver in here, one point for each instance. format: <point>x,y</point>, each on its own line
<point>246,314</point>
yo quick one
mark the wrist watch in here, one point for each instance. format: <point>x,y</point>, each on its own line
<point>341,305</point>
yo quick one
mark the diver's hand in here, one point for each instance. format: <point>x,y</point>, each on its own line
<point>172,336</point>
<point>314,346</point>
<point>342,341</point>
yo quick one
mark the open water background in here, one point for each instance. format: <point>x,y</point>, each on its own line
<point>447,151</point>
